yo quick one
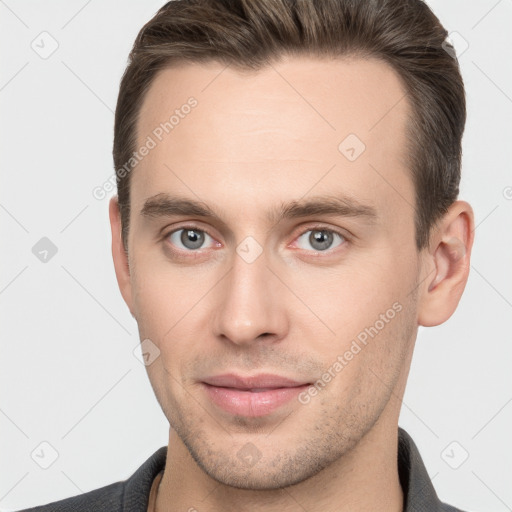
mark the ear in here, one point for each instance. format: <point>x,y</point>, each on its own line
<point>447,264</point>
<point>121,262</point>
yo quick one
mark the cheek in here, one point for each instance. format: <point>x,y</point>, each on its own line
<point>369,314</point>
<point>364,369</point>
<point>157,284</point>
<point>158,297</point>
<point>171,306</point>
<point>350,297</point>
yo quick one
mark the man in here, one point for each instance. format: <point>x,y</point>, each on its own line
<point>286,218</point>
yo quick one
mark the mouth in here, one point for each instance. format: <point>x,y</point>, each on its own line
<point>251,396</point>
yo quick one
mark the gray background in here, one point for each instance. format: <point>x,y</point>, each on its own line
<point>68,373</point>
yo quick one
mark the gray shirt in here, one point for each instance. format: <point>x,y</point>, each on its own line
<point>132,495</point>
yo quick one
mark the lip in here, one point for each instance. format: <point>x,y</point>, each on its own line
<point>252,396</point>
<point>263,380</point>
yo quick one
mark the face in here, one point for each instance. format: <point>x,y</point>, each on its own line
<point>301,262</point>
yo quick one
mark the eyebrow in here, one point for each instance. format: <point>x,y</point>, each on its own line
<point>165,205</point>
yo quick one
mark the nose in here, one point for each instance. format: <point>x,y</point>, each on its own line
<point>250,304</point>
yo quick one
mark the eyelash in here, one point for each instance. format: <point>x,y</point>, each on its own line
<point>317,227</point>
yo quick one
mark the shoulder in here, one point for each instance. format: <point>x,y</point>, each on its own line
<point>106,498</point>
<point>130,495</point>
<point>448,508</point>
<point>419,493</point>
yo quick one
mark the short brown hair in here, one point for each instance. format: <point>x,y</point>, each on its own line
<point>249,34</point>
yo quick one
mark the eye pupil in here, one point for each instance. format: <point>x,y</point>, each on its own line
<point>192,239</point>
<point>321,240</point>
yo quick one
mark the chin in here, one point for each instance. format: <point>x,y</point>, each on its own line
<point>262,481</point>
<point>275,474</point>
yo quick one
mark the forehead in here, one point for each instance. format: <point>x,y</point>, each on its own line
<point>275,133</point>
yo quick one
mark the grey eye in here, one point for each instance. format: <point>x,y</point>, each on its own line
<point>319,239</point>
<point>189,239</point>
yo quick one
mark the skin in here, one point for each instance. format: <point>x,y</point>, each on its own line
<point>252,143</point>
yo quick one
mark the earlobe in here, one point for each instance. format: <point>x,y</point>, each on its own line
<point>119,255</point>
<point>449,263</point>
